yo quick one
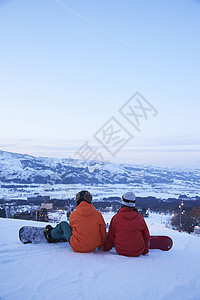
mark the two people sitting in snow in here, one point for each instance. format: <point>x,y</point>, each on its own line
<point>86,229</point>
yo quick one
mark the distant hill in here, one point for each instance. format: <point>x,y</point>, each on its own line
<point>27,169</point>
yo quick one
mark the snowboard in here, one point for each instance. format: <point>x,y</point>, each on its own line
<point>34,235</point>
<point>161,242</point>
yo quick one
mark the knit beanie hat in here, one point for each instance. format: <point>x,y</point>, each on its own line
<point>83,196</point>
<point>128,199</point>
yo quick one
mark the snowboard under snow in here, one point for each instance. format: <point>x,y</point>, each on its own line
<point>35,235</point>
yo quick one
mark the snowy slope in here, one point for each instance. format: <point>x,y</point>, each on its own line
<point>54,271</point>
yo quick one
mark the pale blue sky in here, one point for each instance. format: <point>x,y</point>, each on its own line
<point>66,67</point>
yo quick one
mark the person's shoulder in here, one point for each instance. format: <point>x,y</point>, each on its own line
<point>72,214</point>
<point>98,216</point>
<point>98,212</point>
<point>115,217</point>
<point>140,216</point>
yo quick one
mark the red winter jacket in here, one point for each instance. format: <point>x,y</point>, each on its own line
<point>129,233</point>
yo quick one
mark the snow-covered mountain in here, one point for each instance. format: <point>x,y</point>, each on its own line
<point>26,169</point>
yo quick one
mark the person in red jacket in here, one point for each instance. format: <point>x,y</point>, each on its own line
<point>128,231</point>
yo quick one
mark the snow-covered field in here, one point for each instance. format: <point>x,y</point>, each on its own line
<point>54,271</point>
<point>61,191</point>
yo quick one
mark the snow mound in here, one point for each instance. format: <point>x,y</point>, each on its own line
<point>54,271</point>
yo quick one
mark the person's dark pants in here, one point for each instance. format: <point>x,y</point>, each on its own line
<point>61,229</point>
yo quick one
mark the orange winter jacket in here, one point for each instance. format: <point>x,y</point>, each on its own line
<point>88,228</point>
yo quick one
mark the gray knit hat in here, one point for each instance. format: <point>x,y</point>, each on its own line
<point>128,199</point>
<point>83,196</point>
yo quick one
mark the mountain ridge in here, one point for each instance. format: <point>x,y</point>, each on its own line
<point>24,168</point>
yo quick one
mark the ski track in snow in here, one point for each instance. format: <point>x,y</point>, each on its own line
<point>54,271</point>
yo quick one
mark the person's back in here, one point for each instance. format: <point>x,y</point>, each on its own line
<point>128,231</point>
<point>88,228</point>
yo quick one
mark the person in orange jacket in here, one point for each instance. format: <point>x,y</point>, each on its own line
<point>128,231</point>
<point>86,229</point>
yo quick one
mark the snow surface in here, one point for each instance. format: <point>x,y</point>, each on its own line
<point>54,271</point>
